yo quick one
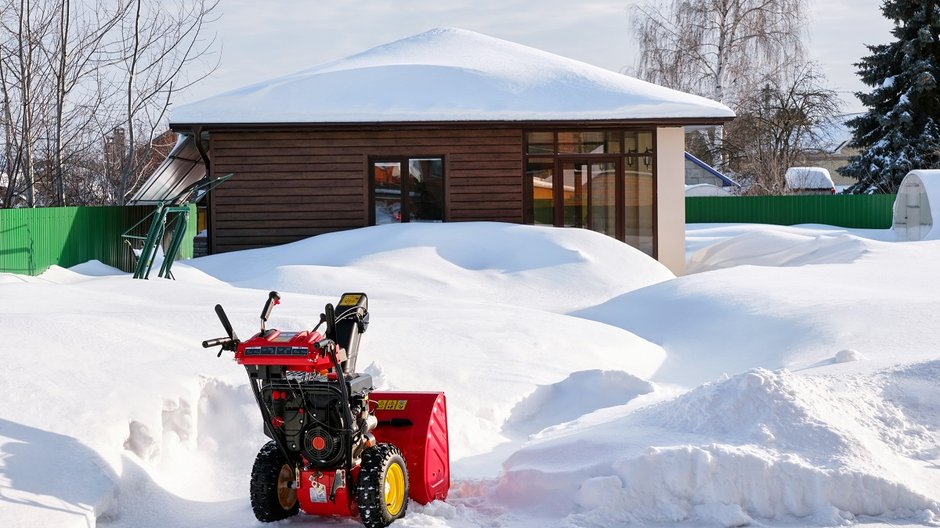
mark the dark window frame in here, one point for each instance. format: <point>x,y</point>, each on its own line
<point>405,183</point>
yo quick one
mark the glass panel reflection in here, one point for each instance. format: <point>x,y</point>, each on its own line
<point>387,192</point>
<point>425,190</point>
<point>589,142</point>
<point>540,143</point>
<point>574,180</point>
<point>540,171</point>
<point>638,205</point>
<point>603,198</point>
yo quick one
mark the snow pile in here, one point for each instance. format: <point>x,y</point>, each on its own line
<point>778,248</point>
<point>796,382</point>
<point>449,74</point>
<point>474,261</point>
<point>759,446</point>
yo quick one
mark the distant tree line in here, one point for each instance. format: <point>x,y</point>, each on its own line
<point>85,87</point>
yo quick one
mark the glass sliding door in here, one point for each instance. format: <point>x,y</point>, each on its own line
<point>590,195</point>
<point>599,179</point>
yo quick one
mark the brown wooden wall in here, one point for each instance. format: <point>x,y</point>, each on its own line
<point>290,185</point>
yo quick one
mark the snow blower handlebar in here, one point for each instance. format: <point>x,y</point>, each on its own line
<point>228,343</point>
<point>273,300</point>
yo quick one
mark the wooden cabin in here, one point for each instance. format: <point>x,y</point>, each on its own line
<point>445,126</point>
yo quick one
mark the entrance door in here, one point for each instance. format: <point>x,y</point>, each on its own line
<point>588,192</point>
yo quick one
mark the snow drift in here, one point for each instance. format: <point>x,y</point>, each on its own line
<point>586,385</point>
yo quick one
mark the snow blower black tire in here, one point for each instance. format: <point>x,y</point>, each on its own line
<point>382,493</point>
<point>272,498</point>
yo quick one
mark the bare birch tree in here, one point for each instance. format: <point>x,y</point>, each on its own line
<point>163,41</point>
<point>86,80</point>
<point>777,125</point>
<point>715,48</point>
<point>74,56</point>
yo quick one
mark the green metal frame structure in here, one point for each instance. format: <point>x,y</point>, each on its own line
<point>169,216</point>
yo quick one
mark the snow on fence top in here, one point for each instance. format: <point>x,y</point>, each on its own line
<point>449,74</point>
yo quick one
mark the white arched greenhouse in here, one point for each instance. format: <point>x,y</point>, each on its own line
<point>918,196</point>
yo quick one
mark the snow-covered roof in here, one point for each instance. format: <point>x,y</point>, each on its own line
<point>449,74</point>
<point>725,181</point>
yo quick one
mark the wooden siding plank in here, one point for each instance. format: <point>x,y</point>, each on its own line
<point>298,210</point>
<point>299,226</point>
<point>316,149</point>
<point>223,167</point>
<point>485,173</point>
<point>487,197</point>
<point>275,200</point>
<point>311,135</point>
<point>285,231</point>
<point>507,215</point>
<point>310,190</point>
<point>478,205</point>
<point>515,189</point>
<point>263,183</point>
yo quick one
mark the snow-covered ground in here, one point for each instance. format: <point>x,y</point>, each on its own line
<point>791,378</point>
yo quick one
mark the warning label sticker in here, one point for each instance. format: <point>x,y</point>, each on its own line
<point>392,405</point>
<point>350,299</point>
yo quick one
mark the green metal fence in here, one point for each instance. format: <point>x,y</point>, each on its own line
<point>31,240</point>
<point>843,210</point>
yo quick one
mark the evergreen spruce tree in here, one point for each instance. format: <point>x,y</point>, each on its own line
<point>901,129</point>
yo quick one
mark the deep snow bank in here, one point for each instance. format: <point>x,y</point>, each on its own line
<point>537,267</point>
<point>759,446</point>
<point>109,374</point>
<point>555,420</point>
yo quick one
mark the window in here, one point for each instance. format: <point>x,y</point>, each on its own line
<point>603,180</point>
<point>407,190</point>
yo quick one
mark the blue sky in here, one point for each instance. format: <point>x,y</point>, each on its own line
<point>263,40</point>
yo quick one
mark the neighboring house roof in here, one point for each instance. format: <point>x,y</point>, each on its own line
<point>834,135</point>
<point>449,74</point>
<point>725,181</point>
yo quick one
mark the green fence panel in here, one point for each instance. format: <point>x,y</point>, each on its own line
<point>843,210</point>
<point>31,240</point>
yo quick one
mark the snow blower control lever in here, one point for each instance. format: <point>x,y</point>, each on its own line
<point>337,446</point>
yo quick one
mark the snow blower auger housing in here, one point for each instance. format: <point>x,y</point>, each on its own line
<point>337,447</point>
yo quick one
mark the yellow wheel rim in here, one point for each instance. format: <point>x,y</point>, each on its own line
<point>394,489</point>
<point>286,495</point>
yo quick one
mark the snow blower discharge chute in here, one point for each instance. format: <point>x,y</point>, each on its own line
<point>337,447</point>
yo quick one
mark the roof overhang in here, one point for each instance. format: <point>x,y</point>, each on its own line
<point>691,122</point>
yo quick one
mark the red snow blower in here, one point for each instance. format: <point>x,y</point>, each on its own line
<point>337,447</point>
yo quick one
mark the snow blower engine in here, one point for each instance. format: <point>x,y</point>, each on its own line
<point>337,447</point>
